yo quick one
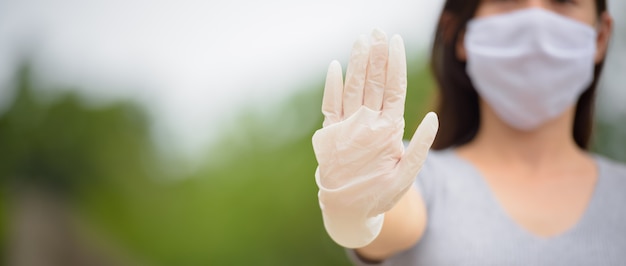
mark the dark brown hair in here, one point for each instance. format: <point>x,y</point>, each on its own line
<point>457,105</point>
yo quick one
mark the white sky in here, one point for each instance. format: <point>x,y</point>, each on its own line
<point>195,63</point>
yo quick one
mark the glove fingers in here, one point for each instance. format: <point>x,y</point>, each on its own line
<point>418,148</point>
<point>395,87</point>
<point>376,71</point>
<point>355,77</point>
<point>333,92</point>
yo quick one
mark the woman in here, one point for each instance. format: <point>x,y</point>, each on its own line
<point>510,180</point>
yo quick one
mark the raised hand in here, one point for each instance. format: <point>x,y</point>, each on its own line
<point>363,166</point>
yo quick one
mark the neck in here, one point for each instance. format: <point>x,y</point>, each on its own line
<point>551,143</point>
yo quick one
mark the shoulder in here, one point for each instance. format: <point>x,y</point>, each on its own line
<point>610,196</point>
<point>612,178</point>
<point>611,169</point>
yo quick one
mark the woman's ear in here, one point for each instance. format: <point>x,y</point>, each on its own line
<point>605,27</point>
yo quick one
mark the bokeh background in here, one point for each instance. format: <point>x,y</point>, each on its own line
<point>166,132</point>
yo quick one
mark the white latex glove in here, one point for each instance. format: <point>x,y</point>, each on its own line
<point>363,166</point>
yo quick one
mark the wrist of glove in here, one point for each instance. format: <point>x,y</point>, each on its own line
<point>350,227</point>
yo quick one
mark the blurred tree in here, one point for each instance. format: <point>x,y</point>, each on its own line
<point>54,151</point>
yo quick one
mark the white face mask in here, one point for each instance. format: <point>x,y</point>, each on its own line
<point>530,65</point>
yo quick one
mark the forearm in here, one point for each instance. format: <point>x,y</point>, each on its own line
<point>403,226</point>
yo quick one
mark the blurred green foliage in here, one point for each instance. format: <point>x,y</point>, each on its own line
<point>609,138</point>
<point>55,143</point>
<point>64,146</point>
<point>257,206</point>
<point>254,202</point>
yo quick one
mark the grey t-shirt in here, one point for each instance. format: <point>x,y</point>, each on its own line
<point>467,226</point>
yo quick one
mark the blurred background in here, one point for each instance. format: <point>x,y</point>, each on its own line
<point>138,132</point>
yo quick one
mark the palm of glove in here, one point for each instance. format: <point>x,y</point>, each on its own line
<point>360,164</point>
<point>363,167</point>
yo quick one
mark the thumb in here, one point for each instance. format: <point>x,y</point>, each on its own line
<point>415,154</point>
